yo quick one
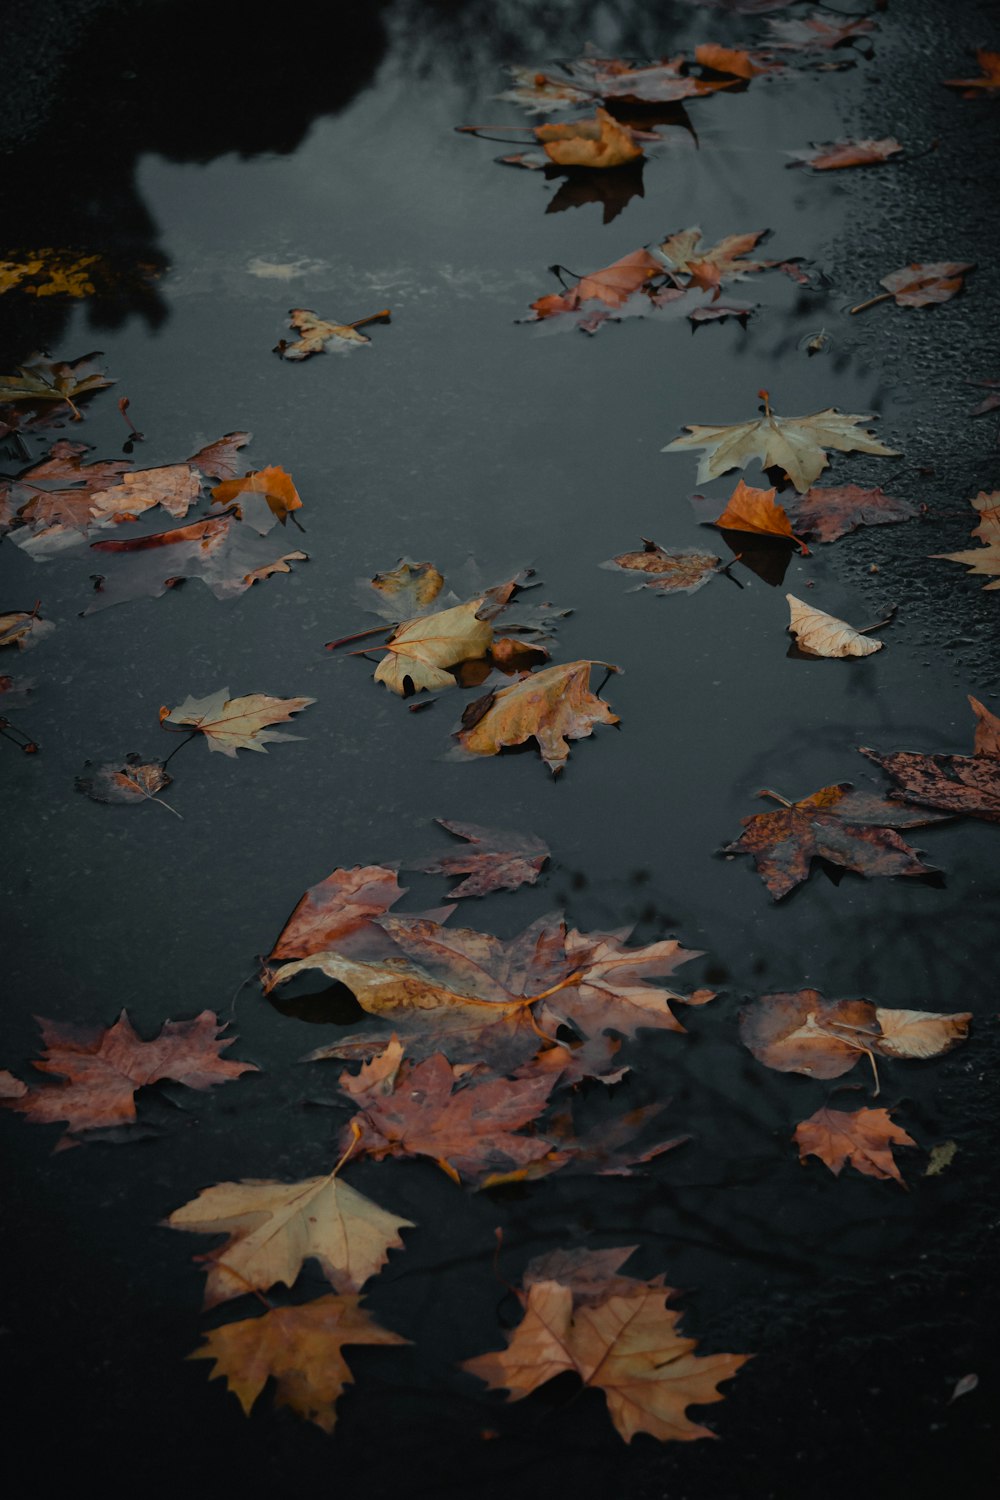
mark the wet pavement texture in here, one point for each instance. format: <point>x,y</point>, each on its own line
<point>325,172</point>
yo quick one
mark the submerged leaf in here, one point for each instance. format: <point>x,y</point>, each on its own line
<point>864,1138</point>
<point>963,784</point>
<point>667,572</point>
<point>837,154</point>
<point>493,860</point>
<point>551,707</point>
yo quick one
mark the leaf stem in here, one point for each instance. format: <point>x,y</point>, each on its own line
<point>355,1130</point>
<point>359,635</point>
<point>873,301</point>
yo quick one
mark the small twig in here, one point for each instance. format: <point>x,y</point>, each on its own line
<point>359,635</point>
<point>123,406</point>
<point>185,741</point>
<point>766,792</point>
<point>894,611</point>
<point>17,737</point>
<point>873,301</point>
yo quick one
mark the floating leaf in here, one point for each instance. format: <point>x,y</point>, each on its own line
<point>819,634</point>
<point>231,724</point>
<point>864,1138</point>
<point>551,707</point>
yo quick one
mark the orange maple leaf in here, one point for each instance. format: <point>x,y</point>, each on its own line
<point>551,707</point>
<point>864,1137</point>
<point>750,509</point>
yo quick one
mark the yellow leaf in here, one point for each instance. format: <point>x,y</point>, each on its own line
<point>420,649</point>
<point>231,724</point>
<point>820,634</point>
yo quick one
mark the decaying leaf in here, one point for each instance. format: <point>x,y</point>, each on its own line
<point>41,382</point>
<point>101,1069</point>
<point>407,590</point>
<point>336,909</point>
<point>588,79</point>
<point>796,445</point>
<point>863,1137</point>
<point>848,828</point>
<point>735,61</point>
<point>801,1032</point>
<point>466,1124</point>
<point>318,336</point>
<point>963,784</point>
<point>601,142</point>
<point>227,555</point>
<point>757,512</point>
<point>493,859</point>
<point>984,560</point>
<point>667,572</point>
<point>834,155</point>
<point>261,497</point>
<point>817,33</point>
<point>301,1348</point>
<point>231,724</point>
<point>551,707</point>
<point>130,782</point>
<point>921,285</point>
<point>613,992</point>
<point>24,628</point>
<point>827,512</point>
<point>610,288</point>
<point>987,83</point>
<point>620,1338</point>
<point>419,651</point>
<point>710,267</point>
<point>819,634</point>
<point>274,1227</point>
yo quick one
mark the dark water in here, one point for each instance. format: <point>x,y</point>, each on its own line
<point>463,437</point>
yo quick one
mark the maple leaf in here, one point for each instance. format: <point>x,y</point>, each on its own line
<point>42,382</point>
<point>662,82</point>
<point>495,861</point>
<point>103,1068</point>
<point>817,33</point>
<point>988,83</point>
<point>667,572</point>
<point>794,444</point>
<point>231,724</point>
<point>274,1227</point>
<point>63,465</point>
<point>622,1340</point>
<point>827,512</point>
<point>221,460</point>
<point>541,93</point>
<point>848,828</point>
<point>420,650</point>
<point>986,559</point>
<point>756,511</point>
<point>801,1032</point>
<point>863,1137</point>
<point>611,287</point>
<point>612,992</point>
<point>319,336</point>
<point>226,555</point>
<point>709,267</point>
<point>134,781</point>
<point>735,61</point>
<point>552,707</point>
<point>337,908</point>
<point>407,590</point>
<point>24,628</point>
<point>965,784</point>
<point>464,1123</point>
<point>279,497</point>
<point>919,285</point>
<point>834,155</point>
<point>301,1348</point>
<point>819,634</point>
<point>608,1150</point>
<point>600,142</point>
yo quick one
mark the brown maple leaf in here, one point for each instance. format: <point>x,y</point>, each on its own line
<point>757,511</point>
<point>863,1137</point>
<point>231,724</point>
<point>818,33</point>
<point>988,82</point>
<point>601,142</point>
<point>963,784</point>
<point>834,155</point>
<point>338,908</point>
<point>221,460</point>
<point>709,267</point>
<point>42,382</point>
<point>551,707</point>
<point>919,285</point>
<point>224,553</point>
<point>274,1227</point>
<point>301,1348</point>
<point>986,559</point>
<point>494,860</point>
<point>735,61</point>
<point>131,782</point>
<point>317,335</point>
<point>612,991</point>
<point>667,572</point>
<point>464,1123</point>
<point>101,1069</point>
<point>607,1150</point>
<point>827,512</point>
<point>624,1341</point>
<point>848,828</point>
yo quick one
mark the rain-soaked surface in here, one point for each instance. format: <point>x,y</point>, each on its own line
<point>328,175</point>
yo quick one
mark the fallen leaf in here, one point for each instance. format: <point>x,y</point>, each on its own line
<point>673,572</point>
<point>24,628</point>
<point>801,1032</point>
<point>228,556</point>
<point>757,512</point>
<point>797,445</point>
<point>42,382</point>
<point>494,860</point>
<point>819,634</point>
<point>420,650</point>
<point>834,155</point>
<point>623,1341</point>
<point>540,93</point>
<point>407,590</point>
<point>377,1076</point>
<point>337,908</point>
<point>613,992</point>
<point>735,61</point>
<point>231,724</point>
<point>466,1125</point>
<point>709,267</point>
<point>610,288</point>
<point>11,1087</point>
<point>848,828</point>
<point>589,78</point>
<point>968,1382</point>
<point>965,784</point>
<point>817,33</point>
<point>278,497</point>
<point>940,1158</point>
<point>919,285</point>
<point>221,460</point>
<point>274,1227</point>
<point>988,83</point>
<point>989,403</point>
<point>984,560</point>
<point>864,1138</point>
<point>601,142</point>
<point>318,336</point>
<point>101,1069</point>
<point>301,1348</point>
<point>552,707</point>
<point>827,512</point>
<point>134,781</point>
<point>28,499</point>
